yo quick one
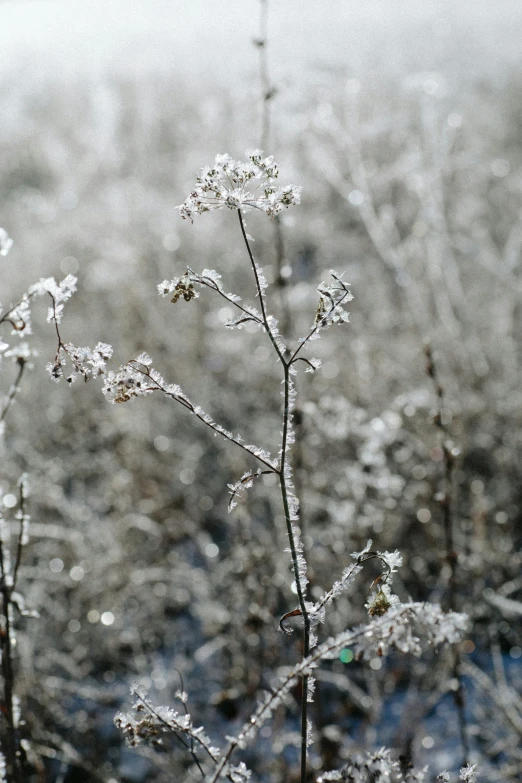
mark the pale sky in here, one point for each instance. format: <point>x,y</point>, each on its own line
<point>196,38</point>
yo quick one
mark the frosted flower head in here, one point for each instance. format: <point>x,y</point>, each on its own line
<point>181,287</point>
<point>240,185</point>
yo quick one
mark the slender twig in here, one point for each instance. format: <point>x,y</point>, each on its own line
<point>300,595</point>
<point>9,739</point>
<point>260,292</point>
<point>200,415</point>
<point>209,283</point>
<point>14,388</point>
<point>267,90</point>
<point>451,554</point>
<point>21,535</point>
<point>285,494</point>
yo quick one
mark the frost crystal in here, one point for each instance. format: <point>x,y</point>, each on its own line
<point>148,722</point>
<point>381,602</point>
<point>86,362</point>
<point>240,185</point>
<point>332,297</point>
<point>468,774</point>
<point>240,773</point>
<point>244,483</point>
<point>59,293</point>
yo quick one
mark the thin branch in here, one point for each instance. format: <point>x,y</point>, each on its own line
<point>285,498</point>
<point>267,90</point>
<point>21,536</point>
<point>14,388</point>
<point>186,745</point>
<point>183,400</point>
<point>260,292</point>
<point>317,327</point>
<point>9,741</point>
<point>209,283</point>
<point>451,555</point>
<point>406,612</point>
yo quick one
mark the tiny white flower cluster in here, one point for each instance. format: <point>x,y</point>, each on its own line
<point>18,317</point>
<point>240,185</point>
<point>133,380</point>
<point>59,293</point>
<point>467,774</point>
<point>239,773</point>
<point>378,766</point>
<point>87,362</point>
<point>394,629</point>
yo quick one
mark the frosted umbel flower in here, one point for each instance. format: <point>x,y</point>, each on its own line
<point>240,185</point>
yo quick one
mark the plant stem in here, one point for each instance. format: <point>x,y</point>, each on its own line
<point>451,554</point>
<point>285,496</point>
<point>14,389</point>
<point>9,742</point>
<point>266,88</point>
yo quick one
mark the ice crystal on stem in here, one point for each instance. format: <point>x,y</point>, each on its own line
<point>240,185</point>
<point>332,297</point>
<point>209,278</point>
<point>245,482</point>
<point>380,767</point>
<point>468,773</point>
<point>407,628</point>
<point>148,723</point>
<point>59,293</point>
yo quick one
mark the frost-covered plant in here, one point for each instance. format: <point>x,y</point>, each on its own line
<point>380,767</point>
<point>407,628</point>
<point>105,483</point>
<point>394,623</point>
<point>16,322</point>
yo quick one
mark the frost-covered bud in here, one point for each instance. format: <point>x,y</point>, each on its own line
<point>381,602</point>
<point>55,371</point>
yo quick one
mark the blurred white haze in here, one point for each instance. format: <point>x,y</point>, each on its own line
<point>196,38</point>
